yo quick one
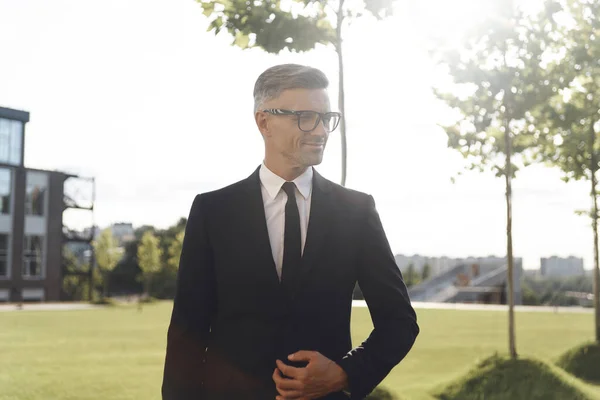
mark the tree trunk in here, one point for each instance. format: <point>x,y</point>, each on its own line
<point>512,345</point>
<point>341,102</point>
<point>594,194</point>
<point>91,273</point>
<point>104,285</point>
<point>147,285</point>
<point>509,247</point>
<point>596,264</point>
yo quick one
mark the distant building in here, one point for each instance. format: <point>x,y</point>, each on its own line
<point>557,267</point>
<point>88,232</point>
<point>589,273</point>
<point>439,265</point>
<point>471,282</point>
<point>532,273</point>
<point>123,232</point>
<point>31,229</point>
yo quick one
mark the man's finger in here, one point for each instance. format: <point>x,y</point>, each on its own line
<point>302,355</point>
<point>289,384</point>
<point>277,377</point>
<point>288,370</point>
<point>290,394</point>
<point>283,383</point>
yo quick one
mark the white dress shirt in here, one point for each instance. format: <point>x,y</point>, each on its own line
<point>274,200</point>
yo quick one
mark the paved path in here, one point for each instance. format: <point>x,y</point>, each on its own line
<point>355,303</point>
<point>488,307</point>
<point>48,307</point>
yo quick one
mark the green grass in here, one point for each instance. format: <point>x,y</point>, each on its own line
<point>583,361</point>
<point>452,341</point>
<point>500,378</point>
<point>117,353</point>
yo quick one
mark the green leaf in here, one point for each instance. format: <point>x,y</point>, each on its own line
<point>241,40</point>
<point>272,26</point>
<point>499,80</point>
<point>207,8</point>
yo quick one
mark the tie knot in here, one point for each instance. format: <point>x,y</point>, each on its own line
<point>288,188</point>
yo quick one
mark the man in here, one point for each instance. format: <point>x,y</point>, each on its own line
<point>269,265</point>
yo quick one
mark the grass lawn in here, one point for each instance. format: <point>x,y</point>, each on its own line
<point>583,362</point>
<point>117,353</point>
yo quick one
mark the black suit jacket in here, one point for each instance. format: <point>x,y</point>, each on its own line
<point>232,318</point>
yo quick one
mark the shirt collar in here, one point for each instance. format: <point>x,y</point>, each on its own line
<point>273,182</point>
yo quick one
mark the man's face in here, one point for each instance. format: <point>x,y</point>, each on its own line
<point>283,136</point>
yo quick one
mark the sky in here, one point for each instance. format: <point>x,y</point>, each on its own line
<point>140,96</point>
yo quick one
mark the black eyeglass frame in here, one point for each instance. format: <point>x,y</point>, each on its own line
<point>299,113</point>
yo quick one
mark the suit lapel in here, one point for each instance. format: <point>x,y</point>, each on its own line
<point>254,213</point>
<point>318,226</point>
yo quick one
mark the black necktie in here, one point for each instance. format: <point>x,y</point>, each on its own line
<point>292,241</point>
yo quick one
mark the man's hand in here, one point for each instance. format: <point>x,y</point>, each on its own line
<point>320,377</point>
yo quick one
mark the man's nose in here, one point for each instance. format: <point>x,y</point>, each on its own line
<point>319,130</point>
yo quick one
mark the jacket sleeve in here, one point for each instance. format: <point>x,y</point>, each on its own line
<point>394,319</point>
<point>193,308</point>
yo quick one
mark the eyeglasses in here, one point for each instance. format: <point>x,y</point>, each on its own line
<point>309,120</point>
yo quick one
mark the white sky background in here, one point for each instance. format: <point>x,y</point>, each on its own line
<point>139,95</point>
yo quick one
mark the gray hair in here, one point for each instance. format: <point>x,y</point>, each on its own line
<point>271,83</point>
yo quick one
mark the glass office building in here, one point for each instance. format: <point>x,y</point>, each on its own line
<point>31,206</point>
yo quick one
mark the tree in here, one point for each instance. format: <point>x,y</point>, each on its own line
<point>499,70</point>
<point>426,272</point>
<point>139,232</point>
<point>265,25</point>
<point>149,258</point>
<point>568,127</point>
<point>75,283</point>
<point>125,276</point>
<point>168,236</point>
<point>412,276</point>
<point>164,282</point>
<point>175,251</point>
<point>108,255</point>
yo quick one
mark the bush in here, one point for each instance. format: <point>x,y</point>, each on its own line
<point>582,362</point>
<point>148,299</point>
<point>106,301</point>
<point>381,393</point>
<point>499,378</point>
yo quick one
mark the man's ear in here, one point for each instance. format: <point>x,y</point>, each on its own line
<point>262,121</point>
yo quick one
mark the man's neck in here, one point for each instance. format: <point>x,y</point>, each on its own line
<point>289,173</point>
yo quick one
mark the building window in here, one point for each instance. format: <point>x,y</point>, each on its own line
<point>35,195</point>
<point>11,137</point>
<point>33,257</point>
<point>3,255</point>
<point>5,190</point>
<point>33,294</point>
